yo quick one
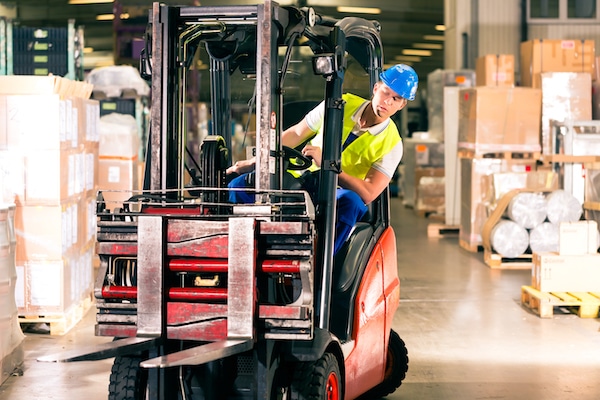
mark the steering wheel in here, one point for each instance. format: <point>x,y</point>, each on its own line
<point>294,159</point>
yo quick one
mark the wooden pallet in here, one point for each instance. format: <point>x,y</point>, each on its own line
<point>63,322</point>
<point>472,247</point>
<point>496,261</point>
<point>435,230</point>
<point>585,304</point>
<point>500,154</point>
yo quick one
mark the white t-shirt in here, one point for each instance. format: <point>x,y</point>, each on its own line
<point>386,164</point>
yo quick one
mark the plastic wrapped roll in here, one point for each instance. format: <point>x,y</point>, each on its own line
<point>509,239</point>
<point>527,209</point>
<point>563,207</point>
<point>544,238</point>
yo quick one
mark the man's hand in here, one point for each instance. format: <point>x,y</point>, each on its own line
<point>241,167</point>
<point>313,152</point>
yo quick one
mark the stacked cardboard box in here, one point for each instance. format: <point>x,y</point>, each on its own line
<point>118,159</point>
<point>495,70</point>
<point>575,267</point>
<point>553,55</point>
<point>498,132</point>
<point>11,342</point>
<point>49,141</point>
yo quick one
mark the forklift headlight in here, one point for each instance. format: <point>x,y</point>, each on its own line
<point>324,64</point>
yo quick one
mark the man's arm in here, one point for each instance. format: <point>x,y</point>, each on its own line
<point>369,188</point>
<point>296,134</point>
<point>291,137</point>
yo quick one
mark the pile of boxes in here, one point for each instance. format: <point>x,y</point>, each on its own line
<point>11,340</point>
<point>507,128</point>
<point>575,267</point>
<point>49,152</point>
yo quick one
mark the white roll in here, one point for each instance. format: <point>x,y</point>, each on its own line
<point>544,238</point>
<point>562,206</point>
<point>509,239</point>
<point>527,209</point>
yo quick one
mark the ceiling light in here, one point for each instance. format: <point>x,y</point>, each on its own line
<point>435,38</point>
<point>408,58</point>
<point>415,52</point>
<point>430,46</point>
<point>440,28</point>
<point>359,10</point>
<point>110,17</point>
<point>90,1</point>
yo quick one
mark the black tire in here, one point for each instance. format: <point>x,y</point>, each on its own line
<point>320,380</point>
<point>395,369</point>
<point>128,381</point>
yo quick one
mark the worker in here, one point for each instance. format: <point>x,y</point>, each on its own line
<point>371,151</point>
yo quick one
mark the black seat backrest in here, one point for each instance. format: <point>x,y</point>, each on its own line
<point>349,258</point>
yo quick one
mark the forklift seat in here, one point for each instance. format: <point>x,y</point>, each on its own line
<point>350,256</point>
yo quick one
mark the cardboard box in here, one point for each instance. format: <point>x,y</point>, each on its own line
<point>552,272</point>
<point>495,70</point>
<point>500,118</point>
<point>44,85</point>
<point>117,180</point>
<point>51,176</point>
<point>578,238</point>
<point>53,287</point>
<point>552,55</point>
<point>46,232</point>
<point>32,122</point>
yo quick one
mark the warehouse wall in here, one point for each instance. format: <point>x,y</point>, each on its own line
<point>498,27</point>
<point>494,27</point>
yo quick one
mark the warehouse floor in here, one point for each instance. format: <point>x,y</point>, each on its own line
<point>467,335</point>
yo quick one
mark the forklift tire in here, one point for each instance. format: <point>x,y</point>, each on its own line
<point>128,381</point>
<point>395,369</point>
<point>319,380</point>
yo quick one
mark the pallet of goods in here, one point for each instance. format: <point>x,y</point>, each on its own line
<point>498,132</point>
<point>51,161</point>
<point>525,222</point>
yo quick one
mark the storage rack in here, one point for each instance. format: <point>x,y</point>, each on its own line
<point>11,53</point>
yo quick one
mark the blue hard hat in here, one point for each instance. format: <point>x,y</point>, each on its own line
<point>402,79</point>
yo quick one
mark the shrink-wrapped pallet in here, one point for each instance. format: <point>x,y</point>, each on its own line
<point>528,209</point>
<point>544,238</point>
<point>563,206</point>
<point>509,239</point>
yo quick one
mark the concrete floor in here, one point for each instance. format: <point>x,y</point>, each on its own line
<point>467,335</point>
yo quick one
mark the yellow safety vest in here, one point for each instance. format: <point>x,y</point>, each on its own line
<point>360,155</point>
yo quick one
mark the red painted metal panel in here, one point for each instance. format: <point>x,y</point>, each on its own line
<point>120,331</point>
<point>184,313</point>
<point>204,331</point>
<point>365,365</point>
<point>117,248</point>
<point>172,211</point>
<point>282,312</point>
<point>119,292</point>
<point>281,266</point>
<point>391,282</point>
<point>198,265</point>
<point>208,247</point>
<point>198,294</point>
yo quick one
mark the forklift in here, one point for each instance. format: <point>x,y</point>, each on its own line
<point>207,299</point>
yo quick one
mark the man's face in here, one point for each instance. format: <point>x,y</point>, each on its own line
<point>385,101</point>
